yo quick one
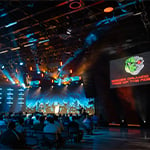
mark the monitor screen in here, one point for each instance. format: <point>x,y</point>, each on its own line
<point>130,71</point>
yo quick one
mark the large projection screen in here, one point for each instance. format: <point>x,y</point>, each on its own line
<point>130,71</point>
<point>12,99</point>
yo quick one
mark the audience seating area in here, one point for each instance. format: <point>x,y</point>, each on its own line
<point>27,127</point>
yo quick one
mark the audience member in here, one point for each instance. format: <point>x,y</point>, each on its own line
<point>11,137</point>
<point>73,129</point>
<point>39,126</point>
<point>88,124</point>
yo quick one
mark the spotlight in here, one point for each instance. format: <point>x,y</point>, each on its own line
<point>81,83</point>
<point>42,75</point>
<point>108,9</point>
<point>21,63</point>
<point>59,69</point>
<point>2,67</point>
<point>61,63</point>
<point>52,86</point>
<point>31,68</point>
<point>38,72</point>
<point>70,70</point>
<point>68,31</point>
<point>144,121</point>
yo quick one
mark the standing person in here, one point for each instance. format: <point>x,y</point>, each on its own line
<point>95,121</point>
<point>80,109</point>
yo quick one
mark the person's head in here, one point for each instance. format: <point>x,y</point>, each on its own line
<point>37,117</point>
<point>56,118</point>
<point>50,119</point>
<point>73,118</point>
<point>42,119</point>
<point>11,125</point>
<point>21,121</point>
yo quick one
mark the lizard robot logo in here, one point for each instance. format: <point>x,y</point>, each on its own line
<point>134,65</point>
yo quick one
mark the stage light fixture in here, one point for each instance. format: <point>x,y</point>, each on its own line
<point>38,72</point>
<point>68,31</point>
<point>108,9</point>
<point>43,41</point>
<point>144,121</point>
<point>21,63</point>
<point>75,5</point>
<point>30,68</point>
<point>42,75</point>
<point>70,70</point>
<point>15,48</point>
<point>61,63</point>
<point>29,45</point>
<point>5,51</point>
<point>3,15</point>
<point>10,24</point>
<point>81,83</point>
<point>2,67</point>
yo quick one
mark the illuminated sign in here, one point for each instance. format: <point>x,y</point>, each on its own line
<point>130,71</point>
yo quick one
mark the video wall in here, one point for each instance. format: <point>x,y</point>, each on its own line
<point>59,100</point>
<point>12,99</point>
<point>130,71</point>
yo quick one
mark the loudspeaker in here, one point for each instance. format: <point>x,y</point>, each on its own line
<point>89,85</point>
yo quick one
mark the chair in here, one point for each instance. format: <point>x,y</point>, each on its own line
<point>4,147</point>
<point>31,139</point>
<point>73,134</point>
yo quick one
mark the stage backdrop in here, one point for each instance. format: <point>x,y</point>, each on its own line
<point>62,100</point>
<point>12,99</point>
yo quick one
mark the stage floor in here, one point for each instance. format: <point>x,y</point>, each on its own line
<point>114,139</point>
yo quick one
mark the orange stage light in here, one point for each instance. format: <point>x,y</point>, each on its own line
<point>70,70</point>
<point>108,9</point>
<point>31,68</point>
<point>42,75</point>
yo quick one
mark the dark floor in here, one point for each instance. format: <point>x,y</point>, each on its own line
<point>113,139</point>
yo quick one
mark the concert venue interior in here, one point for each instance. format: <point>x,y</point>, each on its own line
<point>87,61</point>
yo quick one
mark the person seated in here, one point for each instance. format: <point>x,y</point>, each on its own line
<point>36,119</point>
<point>39,126</point>
<point>88,124</point>
<point>20,126</point>
<point>50,127</point>
<point>58,124</point>
<point>74,130</point>
<point>11,137</point>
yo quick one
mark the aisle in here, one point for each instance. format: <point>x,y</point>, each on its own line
<point>113,139</point>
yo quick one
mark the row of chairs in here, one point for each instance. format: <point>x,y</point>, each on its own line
<point>38,139</point>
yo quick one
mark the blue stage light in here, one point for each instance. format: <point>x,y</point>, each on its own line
<point>43,41</point>
<point>59,69</point>
<point>3,15</point>
<point>21,63</point>
<point>10,24</point>
<point>2,67</point>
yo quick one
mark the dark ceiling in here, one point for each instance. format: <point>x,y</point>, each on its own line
<point>36,21</point>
